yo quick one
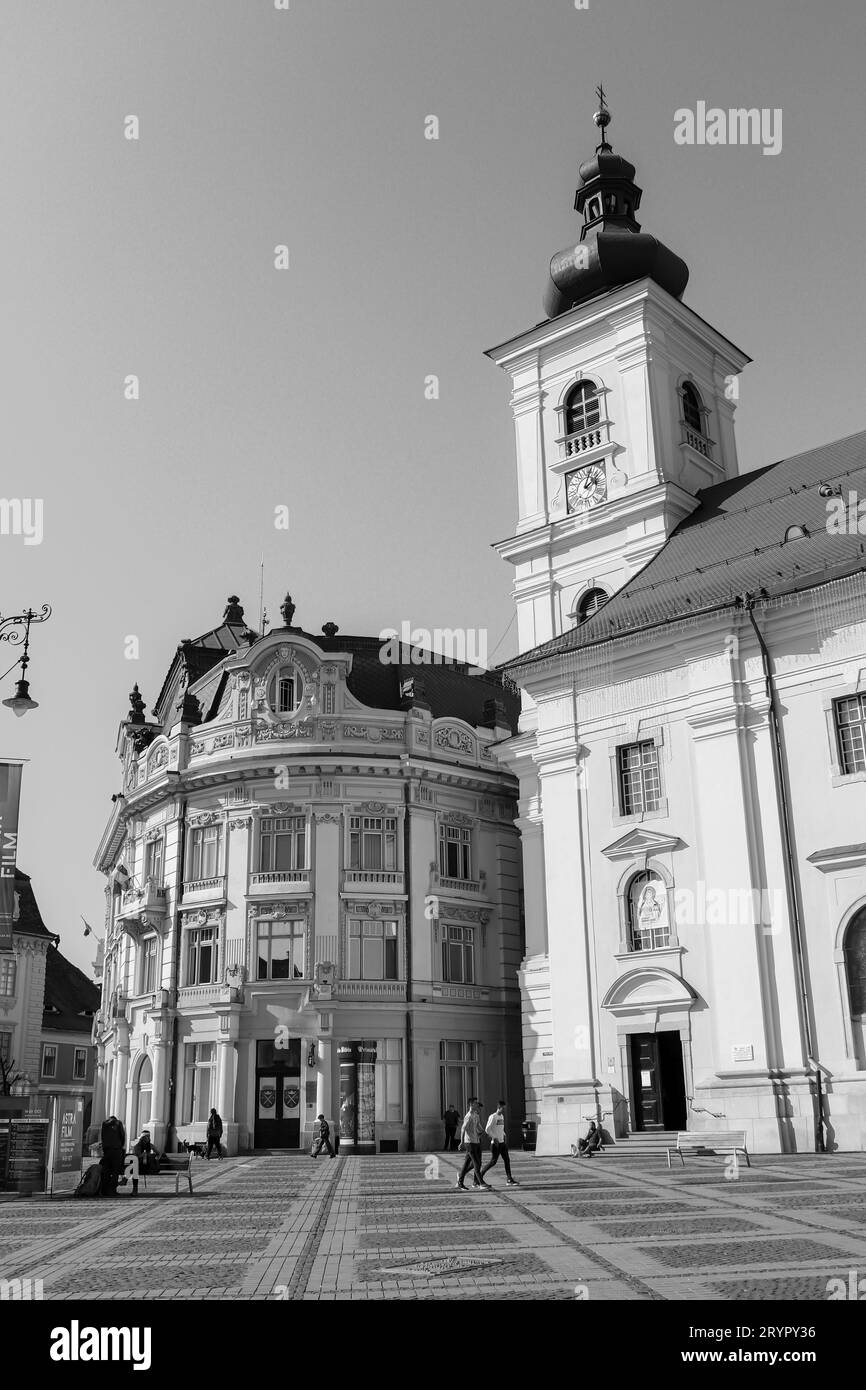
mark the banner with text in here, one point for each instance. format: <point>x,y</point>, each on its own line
<point>10,791</point>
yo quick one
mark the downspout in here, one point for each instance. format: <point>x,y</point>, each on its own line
<point>407,871</point>
<point>175,967</point>
<point>791,880</point>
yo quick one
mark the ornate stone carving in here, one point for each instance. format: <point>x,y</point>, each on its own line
<point>158,758</point>
<point>376,909</point>
<point>328,729</point>
<point>456,913</point>
<point>243,704</point>
<point>328,817</point>
<point>196,748</point>
<point>236,974</point>
<point>456,818</point>
<point>374,807</point>
<point>238,822</point>
<point>205,818</point>
<point>298,728</point>
<point>325,973</point>
<point>243,679</point>
<point>222,741</point>
<point>243,738</point>
<point>455,740</point>
<point>354,731</point>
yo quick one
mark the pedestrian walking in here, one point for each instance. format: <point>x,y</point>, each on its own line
<point>214,1135</point>
<point>470,1137</point>
<point>499,1144</point>
<point>323,1139</point>
<point>452,1120</point>
<point>113,1137</point>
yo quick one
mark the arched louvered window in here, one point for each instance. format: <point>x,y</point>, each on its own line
<point>590,603</point>
<point>582,408</point>
<point>855,963</point>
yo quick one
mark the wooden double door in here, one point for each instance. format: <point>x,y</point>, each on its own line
<point>278,1094</point>
<point>658,1083</point>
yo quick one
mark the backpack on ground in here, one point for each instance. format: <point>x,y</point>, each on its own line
<point>91,1182</point>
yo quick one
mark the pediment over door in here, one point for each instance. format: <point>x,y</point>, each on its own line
<point>648,987</point>
<point>640,843</point>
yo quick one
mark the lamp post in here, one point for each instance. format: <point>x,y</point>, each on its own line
<point>11,631</point>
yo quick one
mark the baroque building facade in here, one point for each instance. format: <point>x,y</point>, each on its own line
<point>692,747</point>
<point>313,900</point>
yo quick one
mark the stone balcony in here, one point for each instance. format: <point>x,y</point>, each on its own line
<point>373,881</point>
<point>191,996</point>
<point>279,881</point>
<point>203,890</point>
<point>370,989</point>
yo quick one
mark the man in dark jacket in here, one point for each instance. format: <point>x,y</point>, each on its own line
<point>324,1138</point>
<point>452,1120</point>
<point>113,1138</point>
<point>214,1134</point>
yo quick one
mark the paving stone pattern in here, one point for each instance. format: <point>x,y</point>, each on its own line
<point>285,1228</point>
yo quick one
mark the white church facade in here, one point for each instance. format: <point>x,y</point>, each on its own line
<point>692,748</point>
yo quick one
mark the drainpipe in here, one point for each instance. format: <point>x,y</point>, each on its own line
<point>791,879</point>
<point>407,871</point>
<point>175,968</point>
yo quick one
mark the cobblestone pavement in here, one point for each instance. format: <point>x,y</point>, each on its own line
<point>279,1226</point>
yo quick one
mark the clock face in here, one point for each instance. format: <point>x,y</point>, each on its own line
<point>585,488</point>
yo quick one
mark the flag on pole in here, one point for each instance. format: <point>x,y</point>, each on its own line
<point>10,792</point>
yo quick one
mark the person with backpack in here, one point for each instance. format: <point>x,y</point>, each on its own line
<point>113,1137</point>
<point>214,1134</point>
<point>323,1138</point>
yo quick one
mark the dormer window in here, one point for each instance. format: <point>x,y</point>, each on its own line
<point>582,408</point>
<point>692,413</point>
<point>286,691</point>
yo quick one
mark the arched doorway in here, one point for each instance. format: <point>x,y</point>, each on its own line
<point>652,1007</point>
<point>855,973</point>
<point>142,1099</point>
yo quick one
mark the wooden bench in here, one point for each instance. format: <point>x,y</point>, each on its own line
<point>170,1165</point>
<point>716,1141</point>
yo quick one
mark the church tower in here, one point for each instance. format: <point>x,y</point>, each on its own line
<point>623,402</point>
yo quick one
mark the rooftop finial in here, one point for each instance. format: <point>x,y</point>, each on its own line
<point>602,118</point>
<point>287,608</point>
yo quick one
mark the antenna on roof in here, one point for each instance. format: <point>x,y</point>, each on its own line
<point>262,614</point>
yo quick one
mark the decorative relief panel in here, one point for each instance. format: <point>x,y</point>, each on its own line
<point>456,818</point>
<point>205,818</point>
<point>297,728</point>
<point>376,909</point>
<point>455,740</point>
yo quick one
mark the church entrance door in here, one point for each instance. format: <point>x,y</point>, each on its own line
<point>658,1084</point>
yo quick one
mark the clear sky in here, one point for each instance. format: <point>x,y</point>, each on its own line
<point>408,257</point>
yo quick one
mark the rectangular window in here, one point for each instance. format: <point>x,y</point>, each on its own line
<point>49,1060</point>
<point>639,780</point>
<point>201,953</point>
<point>389,1080</point>
<point>455,852</point>
<point>205,845</point>
<point>458,1075</point>
<point>280,950</point>
<point>458,954</point>
<point>198,1081</point>
<point>372,950</point>
<point>282,844</point>
<point>8,972</point>
<point>149,961</point>
<point>6,1045</point>
<point>153,862</point>
<point>850,716</point>
<point>373,842</point>
<point>79,1064</point>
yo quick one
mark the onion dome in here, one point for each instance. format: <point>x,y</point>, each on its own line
<point>612,249</point>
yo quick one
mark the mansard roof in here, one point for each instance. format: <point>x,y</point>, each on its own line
<point>764,533</point>
<point>449,688</point>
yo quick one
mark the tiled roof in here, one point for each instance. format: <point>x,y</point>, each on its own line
<point>734,543</point>
<point>70,997</point>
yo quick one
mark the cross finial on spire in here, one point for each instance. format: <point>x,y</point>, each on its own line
<point>602,117</point>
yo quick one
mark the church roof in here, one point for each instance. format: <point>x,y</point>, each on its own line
<point>763,533</point>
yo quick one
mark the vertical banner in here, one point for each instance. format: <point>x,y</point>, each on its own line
<point>10,791</point>
<point>357,1097</point>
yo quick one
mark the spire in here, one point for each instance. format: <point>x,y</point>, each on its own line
<point>612,250</point>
